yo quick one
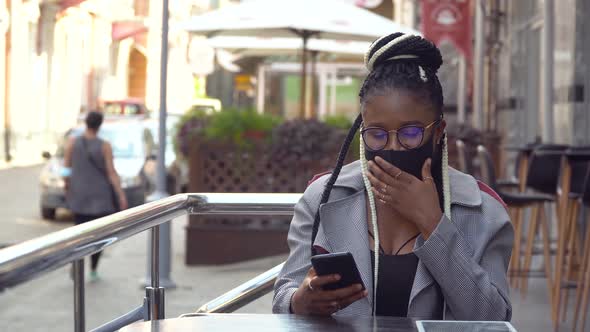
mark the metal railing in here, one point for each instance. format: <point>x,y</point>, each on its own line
<point>243,294</point>
<point>33,258</point>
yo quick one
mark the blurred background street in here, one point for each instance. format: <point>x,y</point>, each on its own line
<point>257,97</point>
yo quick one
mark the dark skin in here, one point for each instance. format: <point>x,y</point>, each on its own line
<point>311,299</point>
<point>409,206</point>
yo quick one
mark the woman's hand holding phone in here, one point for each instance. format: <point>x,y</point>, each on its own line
<point>311,299</point>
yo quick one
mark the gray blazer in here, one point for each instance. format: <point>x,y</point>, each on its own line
<point>462,266</point>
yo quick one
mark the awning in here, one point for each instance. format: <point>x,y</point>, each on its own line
<point>122,30</point>
<point>64,4</point>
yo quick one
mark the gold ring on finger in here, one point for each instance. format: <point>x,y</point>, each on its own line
<point>428,178</point>
<point>398,175</point>
<point>384,189</point>
<point>309,286</point>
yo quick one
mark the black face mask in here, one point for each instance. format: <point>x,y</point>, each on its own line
<point>411,161</point>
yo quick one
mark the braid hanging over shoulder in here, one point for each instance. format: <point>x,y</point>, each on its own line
<point>333,177</point>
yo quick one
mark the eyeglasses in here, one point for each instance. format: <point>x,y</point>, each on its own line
<point>409,137</point>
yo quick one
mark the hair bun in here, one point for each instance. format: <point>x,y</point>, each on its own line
<point>403,46</point>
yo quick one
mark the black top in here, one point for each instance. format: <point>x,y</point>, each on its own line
<point>396,277</point>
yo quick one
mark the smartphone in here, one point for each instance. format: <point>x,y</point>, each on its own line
<point>341,263</point>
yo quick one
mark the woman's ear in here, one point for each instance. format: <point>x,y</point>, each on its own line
<point>440,131</point>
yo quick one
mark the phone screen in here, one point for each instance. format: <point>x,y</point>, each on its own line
<point>338,263</point>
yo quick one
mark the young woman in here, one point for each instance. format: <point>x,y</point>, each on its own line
<point>430,242</point>
<point>92,174</point>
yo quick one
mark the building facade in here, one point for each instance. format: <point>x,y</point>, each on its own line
<point>61,57</point>
<point>522,64</point>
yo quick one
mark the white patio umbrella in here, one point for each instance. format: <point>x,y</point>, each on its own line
<point>326,19</point>
<point>260,46</point>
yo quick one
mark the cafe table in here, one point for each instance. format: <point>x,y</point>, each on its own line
<point>267,323</point>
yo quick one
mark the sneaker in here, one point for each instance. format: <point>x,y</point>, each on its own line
<point>94,276</point>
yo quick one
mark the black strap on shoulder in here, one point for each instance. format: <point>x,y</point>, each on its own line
<point>92,160</point>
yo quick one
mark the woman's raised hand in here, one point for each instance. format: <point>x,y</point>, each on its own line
<point>414,199</point>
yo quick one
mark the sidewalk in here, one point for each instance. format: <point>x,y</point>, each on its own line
<point>46,304</point>
<point>26,149</point>
<point>21,162</point>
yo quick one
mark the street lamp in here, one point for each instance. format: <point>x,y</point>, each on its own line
<point>159,243</point>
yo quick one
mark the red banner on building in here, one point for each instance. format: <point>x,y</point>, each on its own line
<point>448,20</point>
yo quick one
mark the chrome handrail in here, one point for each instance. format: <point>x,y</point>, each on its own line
<point>243,294</point>
<point>24,261</point>
<point>30,259</point>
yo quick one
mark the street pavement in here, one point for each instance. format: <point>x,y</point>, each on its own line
<point>19,207</point>
<point>46,303</point>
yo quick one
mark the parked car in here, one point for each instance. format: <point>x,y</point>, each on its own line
<point>130,106</point>
<point>176,168</point>
<point>209,105</point>
<point>132,145</point>
<point>124,109</point>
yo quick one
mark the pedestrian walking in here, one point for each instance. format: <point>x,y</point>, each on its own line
<point>93,187</point>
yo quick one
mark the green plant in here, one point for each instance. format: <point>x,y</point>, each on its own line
<point>190,126</point>
<point>305,140</point>
<point>240,127</point>
<point>338,121</point>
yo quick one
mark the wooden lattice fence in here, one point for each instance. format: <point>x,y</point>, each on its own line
<point>225,168</point>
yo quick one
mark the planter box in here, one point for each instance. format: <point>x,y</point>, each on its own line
<point>227,169</point>
<point>223,245</point>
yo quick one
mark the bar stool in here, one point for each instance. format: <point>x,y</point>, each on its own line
<point>511,181</point>
<point>516,203</point>
<point>524,154</point>
<point>462,158</point>
<point>500,184</point>
<point>583,286</point>
<point>522,162</point>
<point>576,167</point>
<point>488,176</point>
<point>543,177</point>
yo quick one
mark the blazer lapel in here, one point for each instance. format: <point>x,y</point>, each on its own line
<point>422,280</point>
<point>343,228</point>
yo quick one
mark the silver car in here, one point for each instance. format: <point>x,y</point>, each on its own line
<point>132,144</point>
